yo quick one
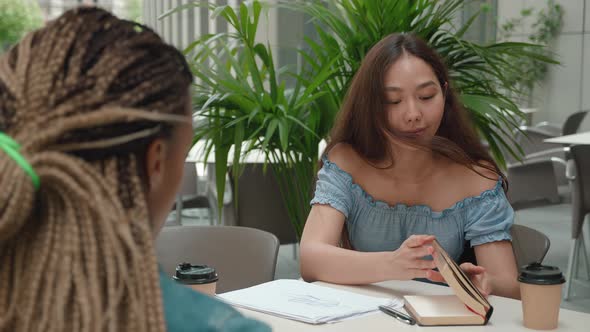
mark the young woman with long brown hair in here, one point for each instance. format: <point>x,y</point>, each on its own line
<point>404,166</point>
<point>95,124</point>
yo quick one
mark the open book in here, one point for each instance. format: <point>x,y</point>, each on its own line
<point>467,307</point>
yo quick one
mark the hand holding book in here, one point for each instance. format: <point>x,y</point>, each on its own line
<point>468,306</point>
<point>407,262</point>
<point>477,275</point>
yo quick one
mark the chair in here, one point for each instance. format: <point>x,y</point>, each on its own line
<point>188,196</point>
<point>242,256</point>
<point>531,140</point>
<point>579,175</point>
<point>543,164</point>
<point>573,122</point>
<point>529,245</point>
<point>570,126</point>
<point>540,177</point>
<point>537,182</point>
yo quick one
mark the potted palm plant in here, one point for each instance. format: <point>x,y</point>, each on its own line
<point>482,74</point>
<point>245,103</point>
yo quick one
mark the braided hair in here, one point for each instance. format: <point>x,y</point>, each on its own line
<point>84,96</point>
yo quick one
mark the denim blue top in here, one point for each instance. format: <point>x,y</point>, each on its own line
<point>377,226</point>
<point>187,310</point>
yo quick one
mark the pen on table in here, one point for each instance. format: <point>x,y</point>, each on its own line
<point>398,315</point>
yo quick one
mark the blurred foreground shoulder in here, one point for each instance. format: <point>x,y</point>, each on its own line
<point>188,310</point>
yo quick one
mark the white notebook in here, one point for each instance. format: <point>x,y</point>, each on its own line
<point>305,302</point>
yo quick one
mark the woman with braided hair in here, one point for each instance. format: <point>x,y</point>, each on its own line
<point>94,128</point>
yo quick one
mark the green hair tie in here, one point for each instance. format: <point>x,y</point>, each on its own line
<point>11,147</point>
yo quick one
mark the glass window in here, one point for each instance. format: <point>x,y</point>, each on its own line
<point>483,28</point>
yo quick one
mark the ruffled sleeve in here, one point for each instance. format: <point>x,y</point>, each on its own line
<point>490,218</point>
<point>333,187</point>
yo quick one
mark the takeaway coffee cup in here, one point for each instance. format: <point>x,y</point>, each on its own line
<point>201,278</point>
<point>540,292</point>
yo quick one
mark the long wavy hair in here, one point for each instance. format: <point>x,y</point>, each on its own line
<point>363,124</point>
<point>84,97</point>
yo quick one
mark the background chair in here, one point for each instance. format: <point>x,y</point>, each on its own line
<point>188,196</point>
<point>570,125</point>
<point>539,178</point>
<point>529,245</point>
<point>242,256</point>
<point>579,174</point>
<point>537,182</point>
<point>573,122</point>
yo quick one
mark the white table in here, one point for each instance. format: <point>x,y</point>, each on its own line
<point>197,154</point>
<point>507,314</point>
<point>528,114</point>
<point>579,138</point>
<point>529,110</point>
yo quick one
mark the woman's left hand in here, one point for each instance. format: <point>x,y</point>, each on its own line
<point>477,274</point>
<point>479,277</point>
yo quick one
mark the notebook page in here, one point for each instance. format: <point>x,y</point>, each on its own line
<point>302,301</point>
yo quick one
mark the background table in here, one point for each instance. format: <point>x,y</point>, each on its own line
<point>507,314</point>
<point>579,138</point>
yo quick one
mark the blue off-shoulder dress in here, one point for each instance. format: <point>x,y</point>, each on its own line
<point>188,311</point>
<point>377,226</point>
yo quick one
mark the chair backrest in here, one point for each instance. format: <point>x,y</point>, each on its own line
<point>260,204</point>
<point>188,185</point>
<point>533,140</point>
<point>532,184</point>
<point>529,245</point>
<point>573,122</point>
<point>530,139</point>
<point>242,256</point>
<point>580,187</point>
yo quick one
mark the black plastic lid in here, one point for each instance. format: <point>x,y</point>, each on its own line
<point>538,274</point>
<point>187,273</point>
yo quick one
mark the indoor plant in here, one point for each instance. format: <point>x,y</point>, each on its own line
<point>244,102</point>
<point>481,74</point>
<point>544,29</point>
<point>17,17</point>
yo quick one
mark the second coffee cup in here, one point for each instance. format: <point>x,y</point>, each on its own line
<point>540,292</point>
<point>201,278</point>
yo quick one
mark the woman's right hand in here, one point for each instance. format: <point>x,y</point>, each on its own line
<point>407,262</point>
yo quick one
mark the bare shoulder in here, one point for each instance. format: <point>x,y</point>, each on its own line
<point>345,157</point>
<point>476,182</point>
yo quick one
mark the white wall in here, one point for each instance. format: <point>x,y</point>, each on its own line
<point>53,8</point>
<point>281,28</point>
<point>566,87</point>
<point>179,28</point>
<point>183,27</point>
